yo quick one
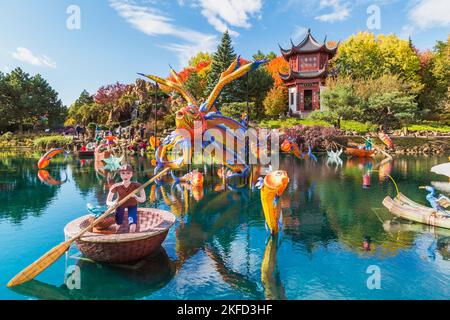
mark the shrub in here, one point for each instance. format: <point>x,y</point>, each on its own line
<point>236,109</point>
<point>352,125</point>
<point>91,126</point>
<point>276,102</point>
<point>7,136</point>
<point>53,142</point>
<point>314,136</point>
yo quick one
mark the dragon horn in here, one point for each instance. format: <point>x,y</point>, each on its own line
<point>174,86</point>
<point>233,72</point>
<point>182,87</point>
<point>175,75</point>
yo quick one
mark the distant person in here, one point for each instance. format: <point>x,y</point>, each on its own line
<point>78,130</point>
<point>142,131</point>
<point>119,131</point>
<point>111,139</point>
<point>97,131</point>
<point>132,132</point>
<point>83,132</point>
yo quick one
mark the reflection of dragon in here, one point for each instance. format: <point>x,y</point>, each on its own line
<point>289,146</point>
<point>192,117</point>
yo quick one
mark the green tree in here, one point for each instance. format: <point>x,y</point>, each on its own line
<point>27,100</point>
<point>376,101</point>
<point>77,111</point>
<point>256,85</point>
<point>236,109</point>
<point>276,102</point>
<point>196,86</point>
<point>434,100</point>
<point>391,109</point>
<point>340,103</point>
<point>221,60</point>
<point>365,55</point>
<point>261,55</point>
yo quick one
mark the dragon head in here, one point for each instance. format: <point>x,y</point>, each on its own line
<point>186,118</point>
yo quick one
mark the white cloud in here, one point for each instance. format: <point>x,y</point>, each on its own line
<point>340,11</point>
<point>153,23</point>
<point>235,13</point>
<point>5,69</point>
<point>26,55</point>
<point>430,13</point>
<point>299,33</point>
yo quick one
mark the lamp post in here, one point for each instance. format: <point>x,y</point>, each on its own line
<point>155,106</point>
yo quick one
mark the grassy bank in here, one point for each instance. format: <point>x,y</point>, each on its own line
<point>33,141</point>
<point>351,125</point>
<point>45,143</point>
<point>346,125</point>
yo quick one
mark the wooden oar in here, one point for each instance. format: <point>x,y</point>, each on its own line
<point>54,254</point>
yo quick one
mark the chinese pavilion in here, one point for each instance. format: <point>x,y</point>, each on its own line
<point>308,66</point>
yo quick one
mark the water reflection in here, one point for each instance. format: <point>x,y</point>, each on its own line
<point>23,194</point>
<point>270,276</point>
<point>325,209</point>
<point>46,178</point>
<point>100,281</point>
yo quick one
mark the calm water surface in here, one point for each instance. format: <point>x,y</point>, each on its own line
<point>219,248</point>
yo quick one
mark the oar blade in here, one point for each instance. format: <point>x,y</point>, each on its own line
<point>40,265</point>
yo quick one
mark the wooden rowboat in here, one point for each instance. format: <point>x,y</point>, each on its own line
<point>152,228</point>
<point>403,207</point>
<point>361,153</point>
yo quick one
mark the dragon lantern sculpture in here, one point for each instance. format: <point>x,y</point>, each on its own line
<point>175,150</point>
<point>194,118</point>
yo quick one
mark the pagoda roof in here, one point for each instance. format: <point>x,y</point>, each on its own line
<point>309,45</point>
<point>303,74</point>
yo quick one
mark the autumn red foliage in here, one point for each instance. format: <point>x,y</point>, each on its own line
<point>313,136</point>
<point>111,94</point>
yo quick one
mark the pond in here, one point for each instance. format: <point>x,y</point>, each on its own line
<point>336,235</point>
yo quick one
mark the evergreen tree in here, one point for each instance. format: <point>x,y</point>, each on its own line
<point>221,60</point>
<point>26,100</point>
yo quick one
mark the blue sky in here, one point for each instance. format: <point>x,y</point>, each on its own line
<point>118,38</point>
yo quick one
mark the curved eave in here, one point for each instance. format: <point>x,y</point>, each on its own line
<point>288,53</point>
<point>285,77</point>
<point>285,53</point>
<point>302,75</point>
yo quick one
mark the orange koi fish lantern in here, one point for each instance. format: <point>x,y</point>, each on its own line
<point>386,139</point>
<point>44,161</point>
<point>272,187</point>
